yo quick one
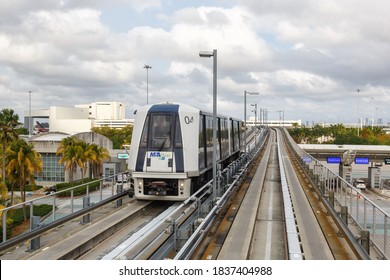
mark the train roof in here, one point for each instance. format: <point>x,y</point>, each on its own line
<point>169,106</point>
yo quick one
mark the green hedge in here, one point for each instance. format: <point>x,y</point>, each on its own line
<point>92,183</point>
<point>15,217</point>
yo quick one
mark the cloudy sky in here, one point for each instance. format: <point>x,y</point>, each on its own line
<point>305,57</point>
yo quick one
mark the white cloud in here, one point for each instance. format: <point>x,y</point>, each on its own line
<point>296,53</point>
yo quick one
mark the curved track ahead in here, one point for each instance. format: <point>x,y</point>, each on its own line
<point>253,226</point>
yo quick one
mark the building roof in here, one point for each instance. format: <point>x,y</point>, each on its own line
<point>49,136</point>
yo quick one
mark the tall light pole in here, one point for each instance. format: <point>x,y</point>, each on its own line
<point>29,112</point>
<point>147,67</point>
<point>280,117</point>
<point>255,111</point>
<point>265,117</point>
<point>214,55</point>
<point>245,93</point>
<point>358,90</point>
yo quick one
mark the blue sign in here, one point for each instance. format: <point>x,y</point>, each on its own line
<point>334,160</point>
<point>361,160</point>
<point>307,159</point>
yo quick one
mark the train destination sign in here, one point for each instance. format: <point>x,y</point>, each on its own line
<point>361,160</point>
<point>335,160</point>
<point>387,160</point>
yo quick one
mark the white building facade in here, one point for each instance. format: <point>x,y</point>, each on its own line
<point>275,123</point>
<point>105,110</point>
<point>80,118</point>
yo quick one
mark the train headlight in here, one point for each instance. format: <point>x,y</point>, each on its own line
<point>181,186</point>
<point>139,185</point>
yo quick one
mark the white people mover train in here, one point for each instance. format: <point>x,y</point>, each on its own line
<point>171,149</point>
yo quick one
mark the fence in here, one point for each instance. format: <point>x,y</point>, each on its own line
<point>65,206</point>
<point>365,214</point>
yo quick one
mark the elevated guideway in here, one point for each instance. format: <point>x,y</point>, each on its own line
<point>276,219</point>
<point>270,204</point>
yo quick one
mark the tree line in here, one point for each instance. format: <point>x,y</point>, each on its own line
<point>20,162</point>
<point>340,135</point>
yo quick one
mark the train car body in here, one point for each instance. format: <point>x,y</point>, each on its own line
<point>171,150</point>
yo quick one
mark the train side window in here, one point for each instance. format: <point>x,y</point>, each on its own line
<point>202,153</point>
<point>232,135</point>
<point>178,138</point>
<point>144,136</point>
<point>236,135</point>
<point>224,138</point>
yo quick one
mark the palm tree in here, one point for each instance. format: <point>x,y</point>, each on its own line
<point>3,193</point>
<point>85,157</point>
<point>8,123</point>
<point>77,153</point>
<point>65,144</point>
<point>23,163</point>
<point>72,155</point>
<point>98,155</point>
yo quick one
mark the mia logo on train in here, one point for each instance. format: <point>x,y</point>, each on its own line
<point>160,155</point>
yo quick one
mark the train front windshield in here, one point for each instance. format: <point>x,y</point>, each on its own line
<point>161,132</point>
<point>157,132</point>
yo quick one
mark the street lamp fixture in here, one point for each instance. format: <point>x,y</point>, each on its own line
<point>213,54</point>
<point>147,67</point>
<point>245,93</point>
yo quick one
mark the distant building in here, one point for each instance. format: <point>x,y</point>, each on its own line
<point>284,123</point>
<point>53,173</point>
<point>80,118</point>
<point>105,110</point>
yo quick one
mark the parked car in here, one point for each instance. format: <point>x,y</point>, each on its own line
<point>50,190</point>
<point>121,178</point>
<point>359,184</point>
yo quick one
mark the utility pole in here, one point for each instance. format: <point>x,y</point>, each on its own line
<point>147,67</point>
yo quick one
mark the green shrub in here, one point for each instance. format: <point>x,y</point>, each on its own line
<point>16,217</point>
<point>93,185</point>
